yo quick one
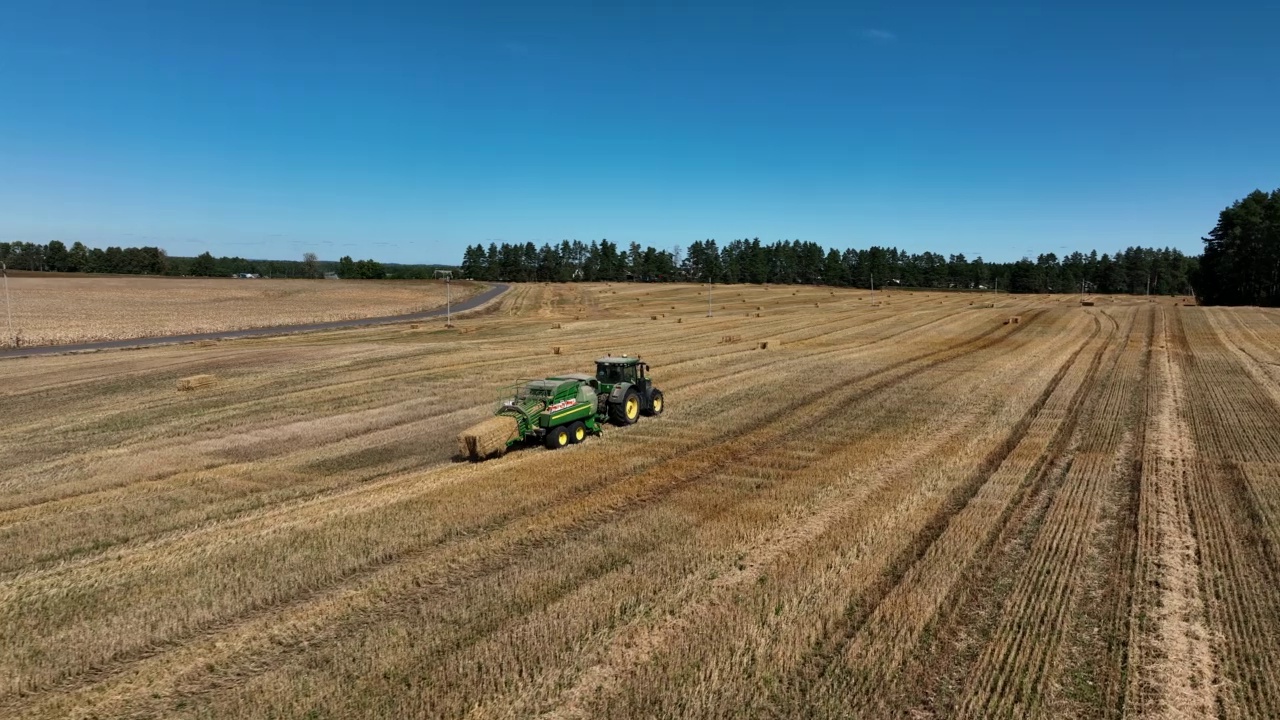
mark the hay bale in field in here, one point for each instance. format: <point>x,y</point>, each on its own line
<point>487,438</point>
<point>730,339</point>
<point>1013,320</point>
<point>757,314</point>
<point>988,305</point>
<point>653,317</point>
<point>195,382</point>
<point>415,326</point>
<point>555,350</point>
<point>759,307</point>
<point>679,320</point>
<point>555,326</point>
<point>1086,303</point>
<point>815,304</point>
<point>764,345</point>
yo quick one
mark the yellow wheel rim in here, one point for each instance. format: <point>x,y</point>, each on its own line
<point>657,404</point>
<point>562,438</point>
<point>579,434</point>
<point>633,408</point>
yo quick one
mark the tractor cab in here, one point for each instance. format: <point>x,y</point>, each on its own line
<point>612,371</point>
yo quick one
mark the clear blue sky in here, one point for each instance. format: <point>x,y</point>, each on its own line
<point>405,131</point>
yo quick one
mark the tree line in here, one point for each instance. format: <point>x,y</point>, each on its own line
<point>1241,261</point>
<point>55,256</point>
<point>1133,270</point>
<point>1240,265</point>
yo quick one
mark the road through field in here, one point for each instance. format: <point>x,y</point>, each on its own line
<point>906,504</point>
<point>470,303</point>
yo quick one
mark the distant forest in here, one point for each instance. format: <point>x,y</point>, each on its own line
<point>1240,265</point>
<point>57,257</point>
<point>1134,270</point>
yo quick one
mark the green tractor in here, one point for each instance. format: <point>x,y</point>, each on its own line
<point>564,409</point>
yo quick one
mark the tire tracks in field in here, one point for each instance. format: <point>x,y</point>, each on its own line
<point>828,660</point>
<point>24,511</point>
<point>1026,665</point>
<point>220,522</point>
<point>938,663</point>
<point>666,477</point>
<point>713,455</point>
<point>1239,568</point>
<point>754,445</point>
<point>1173,670</point>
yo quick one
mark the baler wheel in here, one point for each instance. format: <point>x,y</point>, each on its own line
<point>577,432</point>
<point>557,437</point>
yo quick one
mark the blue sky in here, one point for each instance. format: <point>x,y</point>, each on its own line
<point>405,131</point>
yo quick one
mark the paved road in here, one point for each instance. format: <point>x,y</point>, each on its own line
<point>468,304</point>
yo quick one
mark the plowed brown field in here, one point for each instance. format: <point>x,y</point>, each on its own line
<point>903,507</point>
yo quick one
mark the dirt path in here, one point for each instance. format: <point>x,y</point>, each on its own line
<point>469,304</point>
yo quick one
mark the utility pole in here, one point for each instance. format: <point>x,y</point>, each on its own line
<point>448,295</point>
<point>8,304</point>
<point>709,285</point>
<point>873,283</point>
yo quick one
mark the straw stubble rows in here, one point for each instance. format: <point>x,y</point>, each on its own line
<point>903,505</point>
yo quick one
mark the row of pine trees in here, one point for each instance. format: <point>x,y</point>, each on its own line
<point>1133,270</point>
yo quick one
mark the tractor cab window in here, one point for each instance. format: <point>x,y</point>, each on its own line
<point>613,374</point>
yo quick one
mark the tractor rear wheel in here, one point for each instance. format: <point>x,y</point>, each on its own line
<point>577,432</point>
<point>655,407</point>
<point>627,411</point>
<point>557,437</point>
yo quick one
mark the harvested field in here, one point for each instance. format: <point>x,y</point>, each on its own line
<point>915,509</point>
<point>62,310</point>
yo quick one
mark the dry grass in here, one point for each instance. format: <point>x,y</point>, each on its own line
<point>906,510</point>
<point>63,310</point>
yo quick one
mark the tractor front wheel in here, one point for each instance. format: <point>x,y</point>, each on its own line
<point>577,432</point>
<point>557,437</point>
<point>627,411</point>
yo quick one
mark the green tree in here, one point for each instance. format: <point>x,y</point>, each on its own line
<point>78,258</point>
<point>1241,262</point>
<point>347,268</point>
<point>55,256</point>
<point>204,265</point>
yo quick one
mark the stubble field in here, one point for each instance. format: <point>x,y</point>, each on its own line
<point>69,309</point>
<point>903,507</point>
